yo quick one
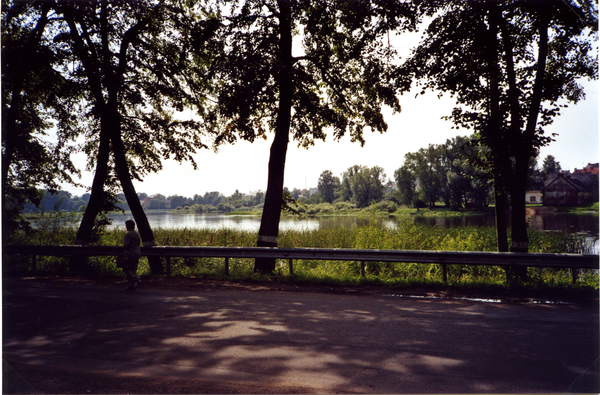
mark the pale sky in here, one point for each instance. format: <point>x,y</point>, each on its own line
<point>243,166</point>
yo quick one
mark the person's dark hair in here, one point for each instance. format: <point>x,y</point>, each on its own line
<point>130,224</point>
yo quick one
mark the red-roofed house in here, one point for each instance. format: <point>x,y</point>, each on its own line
<point>591,168</point>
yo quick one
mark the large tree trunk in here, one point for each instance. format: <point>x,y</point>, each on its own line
<point>520,240</point>
<point>131,196</point>
<point>96,202</point>
<point>494,128</point>
<point>518,234</point>
<point>269,224</point>
<point>111,120</point>
<point>500,211</point>
<point>85,233</point>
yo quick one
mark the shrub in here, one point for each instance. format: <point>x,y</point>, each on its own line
<point>386,206</point>
<point>340,206</point>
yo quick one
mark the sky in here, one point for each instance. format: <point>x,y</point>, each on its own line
<point>244,166</point>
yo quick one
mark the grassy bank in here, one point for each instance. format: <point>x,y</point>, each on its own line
<point>375,235</point>
<point>388,209</point>
<point>590,208</point>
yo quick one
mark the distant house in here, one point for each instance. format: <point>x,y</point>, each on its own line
<point>565,189</point>
<point>534,197</point>
<point>591,168</point>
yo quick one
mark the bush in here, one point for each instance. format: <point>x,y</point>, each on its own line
<point>325,208</point>
<point>341,206</point>
<point>312,210</point>
<point>386,206</point>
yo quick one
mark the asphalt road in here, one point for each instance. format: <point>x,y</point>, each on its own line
<point>66,336</point>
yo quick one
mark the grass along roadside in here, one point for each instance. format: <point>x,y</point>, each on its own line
<point>374,235</point>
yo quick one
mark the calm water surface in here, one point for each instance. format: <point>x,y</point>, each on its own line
<point>568,223</point>
<point>550,222</point>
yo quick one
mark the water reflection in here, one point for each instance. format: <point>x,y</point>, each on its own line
<point>456,221</point>
<point>568,223</point>
<point>168,220</point>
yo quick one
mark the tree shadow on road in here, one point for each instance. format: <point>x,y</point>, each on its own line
<point>310,341</point>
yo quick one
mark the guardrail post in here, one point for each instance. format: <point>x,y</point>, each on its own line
<point>168,266</point>
<point>362,269</point>
<point>444,273</point>
<point>291,267</point>
<point>227,266</point>
<point>34,262</point>
<point>574,275</point>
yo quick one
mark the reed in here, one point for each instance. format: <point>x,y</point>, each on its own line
<point>372,234</point>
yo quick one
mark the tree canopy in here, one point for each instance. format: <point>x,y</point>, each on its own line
<point>510,65</point>
<point>339,79</point>
<point>35,99</point>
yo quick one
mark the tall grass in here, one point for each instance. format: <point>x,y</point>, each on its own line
<point>372,234</point>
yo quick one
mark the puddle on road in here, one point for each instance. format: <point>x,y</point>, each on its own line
<point>480,300</point>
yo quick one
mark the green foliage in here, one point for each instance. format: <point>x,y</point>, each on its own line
<point>327,185</point>
<point>372,234</point>
<point>362,185</point>
<point>443,172</point>
<point>289,204</point>
<point>510,66</point>
<point>340,82</point>
<point>35,99</point>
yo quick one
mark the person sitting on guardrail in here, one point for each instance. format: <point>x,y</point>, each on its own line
<point>131,242</point>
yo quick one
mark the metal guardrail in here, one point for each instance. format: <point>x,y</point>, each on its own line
<point>572,261</point>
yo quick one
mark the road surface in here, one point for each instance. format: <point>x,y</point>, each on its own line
<point>68,336</point>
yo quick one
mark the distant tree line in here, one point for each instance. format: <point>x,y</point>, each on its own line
<point>210,201</point>
<point>440,173</point>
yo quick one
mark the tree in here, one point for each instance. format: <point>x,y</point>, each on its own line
<point>508,63</point>
<point>535,176</point>
<point>406,182</point>
<point>260,198</point>
<point>442,172</point>
<point>134,59</point>
<point>327,185</point>
<point>340,81</point>
<point>368,186</point>
<point>426,166</point>
<point>212,198</point>
<point>550,166</point>
<point>459,175</point>
<point>177,201</point>
<point>33,93</point>
<point>363,185</point>
<point>346,183</point>
<point>295,193</point>
<point>157,204</point>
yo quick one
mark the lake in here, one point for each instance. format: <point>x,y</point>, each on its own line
<point>570,223</point>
